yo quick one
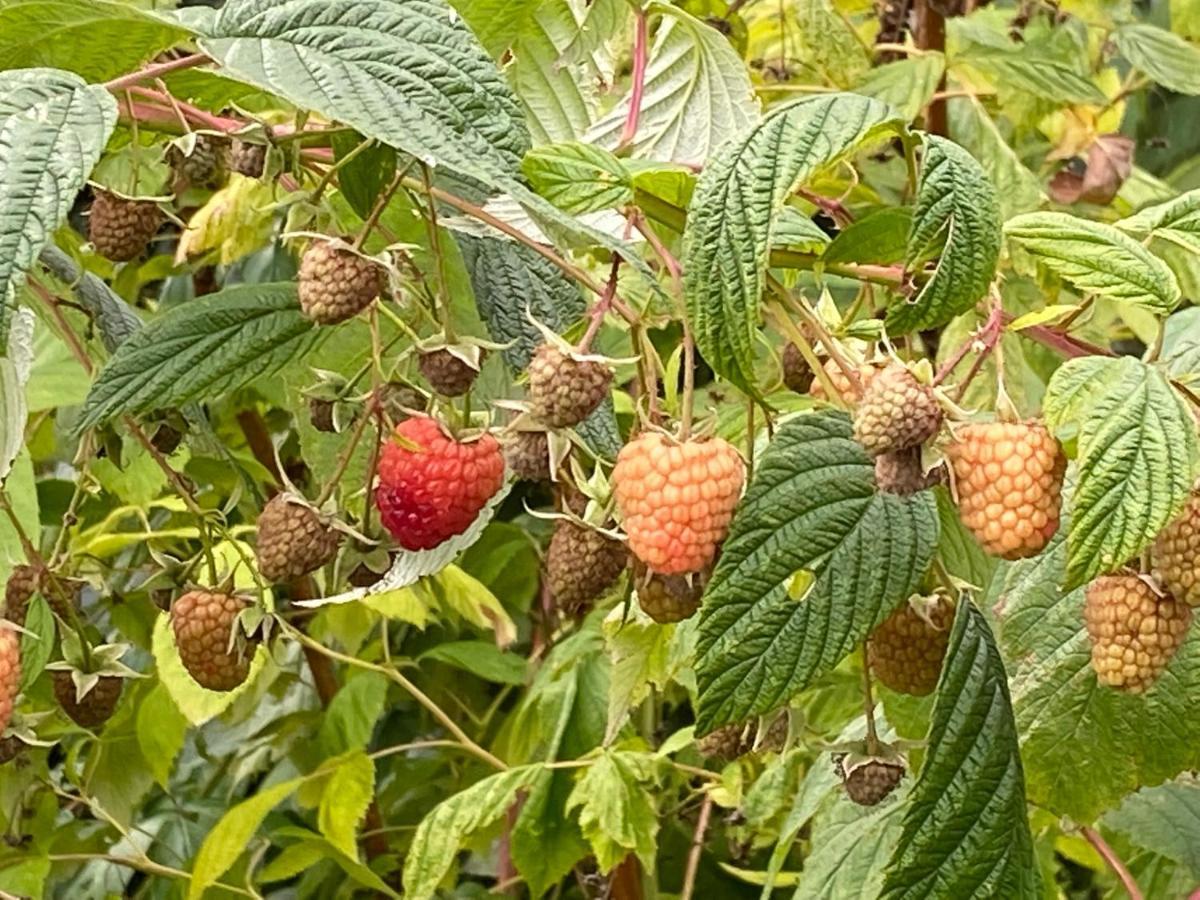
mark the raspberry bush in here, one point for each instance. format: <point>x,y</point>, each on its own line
<point>599,448</point>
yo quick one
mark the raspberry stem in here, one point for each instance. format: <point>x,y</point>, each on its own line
<point>869,704</point>
<point>641,52</point>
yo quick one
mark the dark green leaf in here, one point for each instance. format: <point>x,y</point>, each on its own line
<point>811,507</point>
<point>480,658</point>
<point>203,349</point>
<point>546,842</point>
<point>966,829</point>
<point>37,647</point>
<point>880,237</point>
<point>364,178</point>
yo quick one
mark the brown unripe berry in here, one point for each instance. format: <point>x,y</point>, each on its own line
<point>1134,631</point>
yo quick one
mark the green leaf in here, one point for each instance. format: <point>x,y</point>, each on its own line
<point>231,835</point>
<point>205,348</point>
<point>497,23</point>
<point>364,177</point>
<point>38,646</point>
<point>966,829</point>
<point>53,128</point>
<point>698,95</point>
<point>161,731</point>
<point>879,237</point>
<point>734,206</point>
<point>197,704</point>
<point>546,842</point>
<point>1060,707</point>
<point>850,847</point>
<point>616,813</point>
<point>95,39</point>
<point>344,802</point>
<point>1164,819</point>
<point>828,44</point>
<point>441,833</point>
<point>812,507</point>
<point>1181,342</point>
<point>1137,457</point>
<point>414,75</point>
<point>642,655</point>
<point>1177,220</point>
<point>796,231</point>
<point>1037,73</point>
<point>957,216</point>
<point>578,178</point>
<point>1095,258</point>
<point>907,85</point>
<point>1016,188</point>
<point>349,721</point>
<point>480,658</point>
<point>1167,58</point>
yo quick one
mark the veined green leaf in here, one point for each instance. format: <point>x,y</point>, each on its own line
<point>481,658</point>
<point>577,177</point>
<point>1096,258</point>
<point>205,348</point>
<point>1137,459</point>
<point>796,231</point>
<point>616,813</point>
<point>957,216</point>
<point>344,802</point>
<point>350,718</point>
<point>850,848</point>
<point>546,842</point>
<point>1164,819</point>
<point>53,128</point>
<point>38,646</point>
<point>1181,342</point>
<point>1177,220</point>
<point>497,23</point>
<point>827,43</point>
<point>1039,74</point>
<point>1166,57</point>
<point>1016,188</point>
<point>879,237</point>
<point>697,95</point>
<point>1144,739</point>
<point>812,506</point>
<point>734,206</point>
<point>95,39</point>
<point>907,85</point>
<point>229,838</point>
<point>966,828</point>
<point>161,731</point>
<point>367,175</point>
<point>441,833</point>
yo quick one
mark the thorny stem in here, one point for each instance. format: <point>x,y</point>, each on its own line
<point>413,691</point>
<point>641,51</point>
<point>869,704</point>
<point>69,517</point>
<point>184,112</point>
<point>988,334</point>
<point>694,852</point>
<point>439,258</point>
<point>602,306</point>
<point>1096,840</point>
<point>157,70</point>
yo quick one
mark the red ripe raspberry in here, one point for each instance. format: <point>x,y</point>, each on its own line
<point>897,412</point>
<point>10,673</point>
<point>428,495</point>
<point>97,705</point>
<point>203,622</point>
<point>1176,553</point>
<point>1134,631</point>
<point>1008,482</point>
<point>677,499</point>
<point>907,650</point>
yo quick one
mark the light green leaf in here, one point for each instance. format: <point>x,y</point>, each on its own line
<point>578,178</point>
<point>15,369</point>
<point>1137,457</point>
<point>736,201</point>
<point>641,654</point>
<point>906,85</point>
<point>460,594</point>
<point>350,719</point>
<point>616,813</point>
<point>497,23</point>
<point>828,43</point>
<point>480,658</point>
<point>1095,258</point>
<point>442,832</point>
<point>1177,220</point>
<point>796,231</point>
<point>850,848</point>
<point>348,793</point>
<point>1037,73</point>
<point>203,349</point>
<point>53,128</point>
<point>161,730</point>
<point>1167,58</point>
<point>38,646</point>
<point>1163,819</point>
<point>956,216</point>
<point>1181,342</point>
<point>813,507</point>
<point>95,39</point>
<point>966,829</point>
<point>1016,188</point>
<point>1060,707</point>
<point>697,95</point>
<point>230,837</point>
<point>546,842</point>
<point>197,704</point>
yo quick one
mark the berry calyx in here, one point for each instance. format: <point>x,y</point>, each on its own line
<point>1175,554</point>
<point>1134,630</point>
<point>1008,484</point>
<point>436,491</point>
<point>292,540</point>
<point>563,390</point>
<point>906,651</point>
<point>336,284</point>
<point>581,564</point>
<point>897,412</point>
<point>203,622</point>
<point>677,499</point>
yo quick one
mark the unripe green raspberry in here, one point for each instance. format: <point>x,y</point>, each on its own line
<point>897,412</point>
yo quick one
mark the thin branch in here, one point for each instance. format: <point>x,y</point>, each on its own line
<point>641,52</point>
<point>697,848</point>
<point>1094,838</point>
<point>149,866</point>
<point>157,71</point>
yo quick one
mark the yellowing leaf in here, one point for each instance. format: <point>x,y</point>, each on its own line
<point>196,703</point>
<point>235,221</point>
<point>347,795</point>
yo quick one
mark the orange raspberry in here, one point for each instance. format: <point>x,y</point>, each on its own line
<point>845,388</point>
<point>1176,553</point>
<point>10,673</point>
<point>677,499</point>
<point>1008,482</point>
<point>907,650</point>
<point>1134,631</point>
